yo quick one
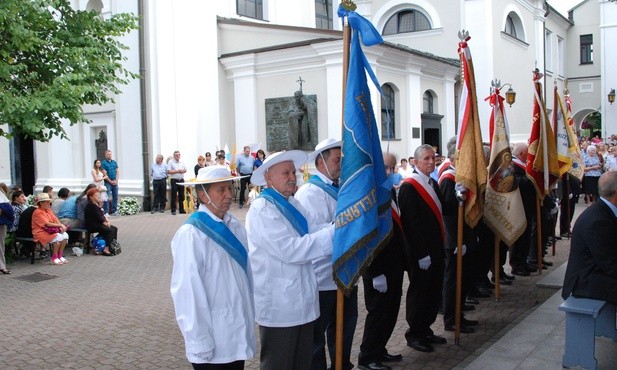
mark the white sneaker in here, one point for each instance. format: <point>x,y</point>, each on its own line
<point>64,260</point>
<point>56,261</point>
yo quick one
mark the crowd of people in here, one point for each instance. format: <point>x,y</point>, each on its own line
<point>277,270</point>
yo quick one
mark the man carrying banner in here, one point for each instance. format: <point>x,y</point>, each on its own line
<point>211,283</point>
<point>422,223</point>
<point>383,286</point>
<point>318,196</point>
<point>448,190</point>
<point>520,249</point>
<point>283,240</point>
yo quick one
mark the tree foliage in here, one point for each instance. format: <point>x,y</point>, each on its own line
<point>53,60</point>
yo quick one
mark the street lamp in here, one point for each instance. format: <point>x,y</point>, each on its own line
<point>611,96</point>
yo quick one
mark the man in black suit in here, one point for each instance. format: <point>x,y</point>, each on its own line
<point>520,249</point>
<point>422,223</point>
<point>592,265</point>
<point>383,287</point>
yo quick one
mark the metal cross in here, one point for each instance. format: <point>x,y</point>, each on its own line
<point>300,81</point>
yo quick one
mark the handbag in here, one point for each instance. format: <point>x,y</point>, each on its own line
<point>115,247</point>
<point>52,229</point>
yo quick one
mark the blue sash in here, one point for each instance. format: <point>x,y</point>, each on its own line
<point>328,188</point>
<point>221,235</point>
<point>297,220</point>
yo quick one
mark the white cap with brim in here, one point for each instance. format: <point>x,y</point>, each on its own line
<point>324,145</point>
<point>298,158</point>
<point>211,175</point>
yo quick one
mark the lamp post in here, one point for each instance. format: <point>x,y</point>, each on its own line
<point>510,94</point>
<point>611,96</point>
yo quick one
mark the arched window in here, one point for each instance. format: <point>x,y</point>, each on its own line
<point>407,21</point>
<point>427,106</point>
<point>388,127</point>
<point>514,26</point>
<point>96,5</point>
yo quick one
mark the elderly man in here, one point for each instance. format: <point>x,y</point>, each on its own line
<point>592,265</point>
<point>211,282</point>
<point>283,240</point>
<point>176,170</point>
<point>318,196</point>
<point>244,167</point>
<point>422,222</point>
<point>158,171</point>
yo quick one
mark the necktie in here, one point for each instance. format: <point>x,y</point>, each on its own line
<point>335,184</point>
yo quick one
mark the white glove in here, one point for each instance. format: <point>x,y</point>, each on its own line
<point>464,248</point>
<point>380,283</point>
<point>570,196</point>
<point>425,263</point>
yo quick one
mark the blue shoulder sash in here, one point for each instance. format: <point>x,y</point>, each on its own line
<point>290,212</point>
<point>221,235</point>
<point>329,189</point>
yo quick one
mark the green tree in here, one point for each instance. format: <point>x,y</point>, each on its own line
<point>53,60</point>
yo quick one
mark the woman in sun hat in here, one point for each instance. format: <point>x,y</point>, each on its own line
<point>211,281</point>
<point>47,229</point>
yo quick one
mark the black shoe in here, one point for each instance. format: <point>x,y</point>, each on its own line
<point>182,212</point>
<point>464,329</point>
<point>521,272</point>
<point>547,263</point>
<point>468,322</point>
<point>509,277</point>
<point>566,235</point>
<point>502,281</point>
<point>173,213</point>
<point>162,210</point>
<point>470,300</point>
<point>436,339</point>
<point>240,206</point>
<point>468,307</point>
<point>374,366</point>
<point>481,293</point>
<point>152,211</point>
<point>420,345</point>
<point>390,358</point>
<point>533,267</point>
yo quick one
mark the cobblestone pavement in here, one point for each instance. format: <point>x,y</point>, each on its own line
<point>116,312</point>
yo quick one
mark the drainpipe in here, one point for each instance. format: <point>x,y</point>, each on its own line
<point>144,111</point>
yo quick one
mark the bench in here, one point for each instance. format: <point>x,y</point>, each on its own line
<point>586,319</point>
<point>21,240</point>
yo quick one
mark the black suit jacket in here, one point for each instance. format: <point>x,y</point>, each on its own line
<point>420,226</point>
<point>449,206</point>
<point>592,265</point>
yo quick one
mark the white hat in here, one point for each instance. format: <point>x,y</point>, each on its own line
<point>298,157</point>
<point>210,175</point>
<point>42,197</point>
<point>324,145</point>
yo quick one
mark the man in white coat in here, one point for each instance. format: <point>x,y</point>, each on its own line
<point>283,240</point>
<point>319,196</point>
<point>211,282</point>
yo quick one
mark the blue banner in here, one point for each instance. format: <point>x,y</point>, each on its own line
<point>363,218</point>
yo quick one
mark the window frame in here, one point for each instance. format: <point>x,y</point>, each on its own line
<point>390,94</point>
<point>586,49</point>
<point>258,5</point>
<point>396,17</point>
<point>327,18</point>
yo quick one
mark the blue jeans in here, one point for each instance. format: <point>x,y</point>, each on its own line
<point>112,194</point>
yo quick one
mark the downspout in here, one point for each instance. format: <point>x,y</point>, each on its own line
<point>144,111</point>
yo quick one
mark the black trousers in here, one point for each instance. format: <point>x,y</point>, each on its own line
<point>243,185</point>
<point>423,300</point>
<point>236,365</point>
<point>449,286</point>
<point>382,312</point>
<point>177,193</point>
<point>159,188</point>
<point>108,233</point>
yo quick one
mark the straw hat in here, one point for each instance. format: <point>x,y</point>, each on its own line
<point>298,158</point>
<point>210,175</point>
<point>324,145</point>
<point>42,197</point>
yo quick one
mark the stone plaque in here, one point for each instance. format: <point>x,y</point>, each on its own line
<point>291,122</point>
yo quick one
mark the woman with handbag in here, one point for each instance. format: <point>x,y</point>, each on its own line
<point>47,229</point>
<point>96,222</point>
<point>99,176</point>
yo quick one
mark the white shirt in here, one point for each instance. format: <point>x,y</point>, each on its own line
<point>176,165</point>
<point>323,207</point>
<point>285,284</point>
<point>212,296</point>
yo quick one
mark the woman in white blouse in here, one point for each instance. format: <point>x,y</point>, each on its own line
<point>98,177</point>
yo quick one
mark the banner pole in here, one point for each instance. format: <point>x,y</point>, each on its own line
<point>340,303</point>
